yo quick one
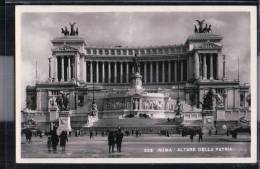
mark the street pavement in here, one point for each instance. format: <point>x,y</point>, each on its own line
<point>145,146</point>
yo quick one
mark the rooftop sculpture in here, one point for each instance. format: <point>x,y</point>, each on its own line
<point>73,31</point>
<point>200,28</point>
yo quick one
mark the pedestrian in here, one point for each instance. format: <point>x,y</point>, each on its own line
<point>90,135</point>
<point>136,133</point>
<point>96,133</point>
<point>111,141</point>
<point>28,136</point>
<point>49,144</point>
<point>191,137</point>
<point>200,136</point>
<point>63,140</point>
<point>119,139</point>
<point>54,140</point>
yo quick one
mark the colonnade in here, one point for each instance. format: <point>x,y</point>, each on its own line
<point>206,66</point>
<point>64,68</point>
<point>121,71</point>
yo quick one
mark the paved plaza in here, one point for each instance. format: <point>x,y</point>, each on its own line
<point>145,146</point>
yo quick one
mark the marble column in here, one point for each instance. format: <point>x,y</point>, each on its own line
<point>50,68</point>
<point>115,72</point>
<point>91,72</point>
<point>181,69</point>
<point>145,72</point>
<point>56,69</point>
<point>169,71</point>
<point>69,70</point>
<point>157,72</point>
<point>127,72</point>
<point>86,69</point>
<point>103,72</point>
<point>204,67</point>
<point>218,66</point>
<point>121,72</point>
<point>196,66</point>
<point>211,66</point>
<point>175,71</point>
<point>97,72</point>
<point>163,72</point>
<point>151,72</point>
<point>109,72</point>
<point>62,68</point>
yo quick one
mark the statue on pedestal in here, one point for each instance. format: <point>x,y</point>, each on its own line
<point>208,101</point>
<point>62,101</point>
<point>136,64</point>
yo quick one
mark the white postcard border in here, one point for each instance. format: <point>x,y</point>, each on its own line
<point>53,8</point>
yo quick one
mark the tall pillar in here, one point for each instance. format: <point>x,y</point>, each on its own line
<point>83,70</point>
<point>62,68</point>
<point>145,72</point>
<point>109,72</point>
<point>169,71</point>
<point>91,72</point>
<point>103,72</point>
<point>175,71</point>
<point>127,72</point>
<point>196,66</point>
<point>181,70</point>
<point>121,72</point>
<point>50,68</point>
<point>69,70</point>
<point>151,72</point>
<point>163,72</point>
<point>211,66</point>
<point>56,69</point>
<point>218,66</point>
<point>73,70</point>
<point>86,69</point>
<point>204,67</point>
<point>115,72</point>
<point>157,72</point>
<point>97,72</point>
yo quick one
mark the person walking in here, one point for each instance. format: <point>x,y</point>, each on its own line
<point>49,144</point>
<point>54,140</point>
<point>28,136</point>
<point>119,139</point>
<point>200,136</point>
<point>63,140</point>
<point>191,137</point>
<point>90,135</point>
<point>111,141</point>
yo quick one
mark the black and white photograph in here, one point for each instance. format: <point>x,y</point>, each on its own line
<point>136,84</point>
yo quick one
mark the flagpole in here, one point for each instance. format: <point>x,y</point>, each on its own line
<point>238,68</point>
<point>36,71</point>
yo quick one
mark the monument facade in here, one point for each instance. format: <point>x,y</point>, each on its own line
<point>137,87</point>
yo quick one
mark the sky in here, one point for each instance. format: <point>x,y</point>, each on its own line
<point>132,29</point>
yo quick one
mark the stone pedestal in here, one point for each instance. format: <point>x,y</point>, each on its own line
<point>64,121</point>
<point>208,121</point>
<point>53,114</point>
<point>136,81</point>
